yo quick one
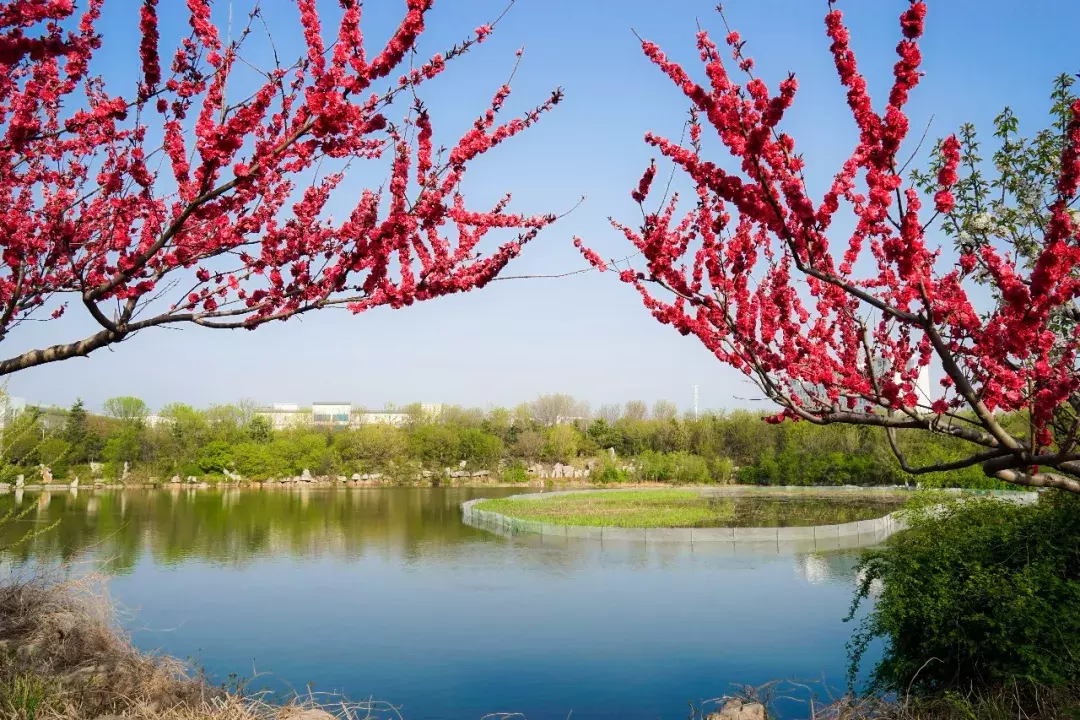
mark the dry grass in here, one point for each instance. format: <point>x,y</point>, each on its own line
<point>63,656</point>
<point>817,702</point>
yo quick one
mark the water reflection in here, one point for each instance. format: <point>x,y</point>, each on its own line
<point>235,526</point>
<point>385,593</point>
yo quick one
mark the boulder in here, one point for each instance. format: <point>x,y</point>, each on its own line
<point>342,478</point>
<point>192,479</point>
<point>175,479</point>
<point>462,464</point>
<point>306,475</point>
<point>356,476</point>
<point>738,710</point>
<point>304,714</point>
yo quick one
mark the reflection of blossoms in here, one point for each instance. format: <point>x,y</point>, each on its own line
<point>813,568</point>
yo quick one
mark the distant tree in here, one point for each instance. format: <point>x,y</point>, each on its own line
<point>129,410</point>
<point>436,445</point>
<point>77,434</point>
<point>555,408</point>
<point>530,445</point>
<point>562,443</point>
<point>259,430</point>
<point>609,413</point>
<point>500,422</point>
<point>636,410</point>
<point>226,422</point>
<point>374,446</point>
<point>479,449</point>
<point>664,410</point>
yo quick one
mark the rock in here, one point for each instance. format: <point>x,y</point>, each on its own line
<point>357,476</point>
<point>481,474</point>
<point>342,478</point>
<point>426,473</point>
<point>306,475</point>
<point>192,479</point>
<point>738,710</point>
<point>304,714</point>
<point>175,480</point>
<point>461,464</point>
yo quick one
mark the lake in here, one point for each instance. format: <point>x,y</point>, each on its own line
<point>385,593</point>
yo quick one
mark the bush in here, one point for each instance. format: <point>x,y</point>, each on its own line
<point>982,593</point>
<point>607,470</point>
<point>676,467</point>
<point>515,473</point>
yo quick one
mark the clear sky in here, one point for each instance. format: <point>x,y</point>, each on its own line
<point>586,335</point>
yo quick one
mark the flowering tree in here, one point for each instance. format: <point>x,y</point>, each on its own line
<point>201,196</point>
<point>837,330</point>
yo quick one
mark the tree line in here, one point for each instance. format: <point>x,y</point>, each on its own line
<point>620,443</point>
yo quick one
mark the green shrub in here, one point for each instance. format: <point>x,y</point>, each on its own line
<point>515,473</point>
<point>675,467</point>
<point>982,593</point>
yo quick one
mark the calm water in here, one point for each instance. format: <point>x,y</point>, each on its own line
<point>384,593</point>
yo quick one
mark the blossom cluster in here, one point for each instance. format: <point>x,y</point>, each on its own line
<point>839,330</point>
<point>230,230</point>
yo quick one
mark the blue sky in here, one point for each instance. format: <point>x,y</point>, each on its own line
<point>586,335</point>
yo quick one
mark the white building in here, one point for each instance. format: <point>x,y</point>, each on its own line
<point>285,415</point>
<point>331,413</point>
<point>396,419</point>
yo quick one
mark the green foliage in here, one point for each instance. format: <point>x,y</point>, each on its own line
<point>127,409</point>
<point>77,434</point>
<point>722,447</point>
<point>514,473</point>
<point>215,457</point>
<point>478,449</point>
<point>55,453</point>
<point>435,445</point>
<point>980,592</point>
<point>676,467</point>
<point>562,443</point>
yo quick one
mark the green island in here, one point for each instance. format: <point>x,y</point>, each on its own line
<point>691,509</point>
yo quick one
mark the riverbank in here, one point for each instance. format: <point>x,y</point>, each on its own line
<point>62,655</point>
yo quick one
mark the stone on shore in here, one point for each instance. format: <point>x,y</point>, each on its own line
<point>738,710</point>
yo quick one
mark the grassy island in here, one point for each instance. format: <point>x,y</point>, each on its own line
<point>688,508</point>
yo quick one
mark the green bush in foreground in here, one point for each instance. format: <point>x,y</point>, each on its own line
<point>981,594</point>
